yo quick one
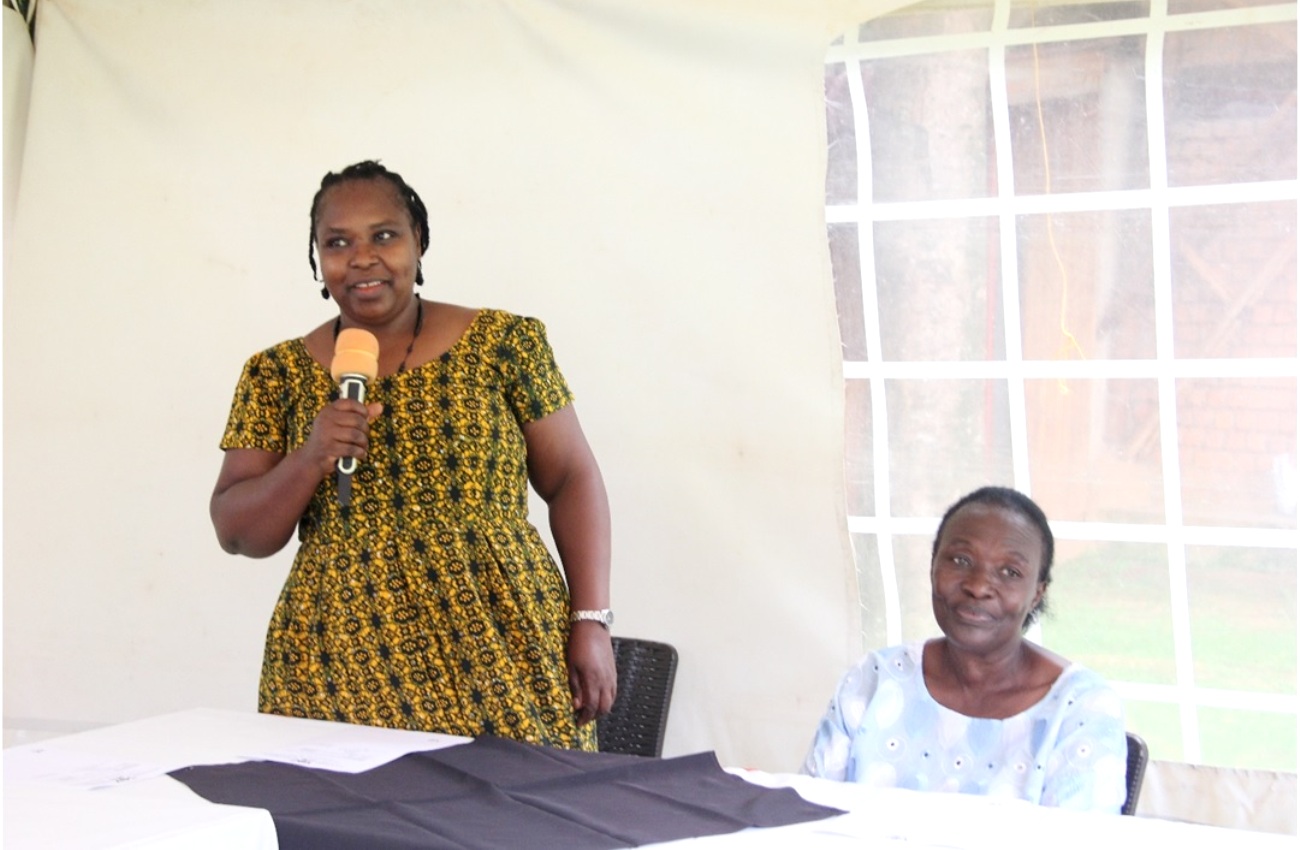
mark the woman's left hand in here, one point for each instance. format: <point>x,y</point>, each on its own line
<point>592,676</point>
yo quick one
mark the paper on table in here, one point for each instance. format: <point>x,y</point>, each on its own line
<point>51,764</point>
<point>349,749</point>
<point>361,748</point>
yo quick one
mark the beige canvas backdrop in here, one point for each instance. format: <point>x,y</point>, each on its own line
<point>647,177</point>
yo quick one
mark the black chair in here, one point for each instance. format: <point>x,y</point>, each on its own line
<point>1137,768</point>
<point>636,723</point>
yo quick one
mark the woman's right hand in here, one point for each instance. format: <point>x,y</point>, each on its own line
<point>261,495</point>
<point>341,429</point>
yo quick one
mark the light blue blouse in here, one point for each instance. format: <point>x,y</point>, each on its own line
<point>883,728</point>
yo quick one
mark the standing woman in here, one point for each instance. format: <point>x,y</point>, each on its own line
<point>429,601</point>
<point>980,710</point>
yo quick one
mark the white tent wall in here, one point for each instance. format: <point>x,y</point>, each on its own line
<point>17,90</point>
<point>645,177</point>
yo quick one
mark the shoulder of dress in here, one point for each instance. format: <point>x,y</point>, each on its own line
<point>1078,683</point>
<point>284,348</point>
<point>494,315</point>
<point>909,654</point>
<point>899,659</point>
<point>510,328</point>
<point>288,354</point>
<point>492,322</point>
<point>509,320</point>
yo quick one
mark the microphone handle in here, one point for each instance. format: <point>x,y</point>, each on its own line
<point>353,387</point>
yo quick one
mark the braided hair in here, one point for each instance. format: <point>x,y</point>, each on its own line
<point>370,169</point>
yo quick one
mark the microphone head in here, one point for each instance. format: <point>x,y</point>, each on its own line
<point>356,352</point>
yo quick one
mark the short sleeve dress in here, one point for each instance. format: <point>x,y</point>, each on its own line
<point>430,602</point>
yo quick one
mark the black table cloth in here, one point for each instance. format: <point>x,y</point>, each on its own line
<point>498,793</point>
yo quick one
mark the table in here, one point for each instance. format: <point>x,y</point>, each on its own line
<point>107,788</point>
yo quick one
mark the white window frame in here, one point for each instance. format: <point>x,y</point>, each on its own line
<point>1164,369</point>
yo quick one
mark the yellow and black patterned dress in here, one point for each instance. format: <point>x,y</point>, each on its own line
<point>430,602</point>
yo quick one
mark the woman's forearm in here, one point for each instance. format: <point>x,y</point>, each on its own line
<point>256,515</point>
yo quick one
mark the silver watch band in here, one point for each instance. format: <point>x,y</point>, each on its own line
<point>604,616</point>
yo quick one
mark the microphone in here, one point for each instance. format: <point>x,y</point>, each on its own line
<point>356,361</point>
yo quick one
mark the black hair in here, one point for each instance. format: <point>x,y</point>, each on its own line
<point>1019,503</point>
<point>370,169</point>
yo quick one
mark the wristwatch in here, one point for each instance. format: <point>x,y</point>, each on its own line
<point>604,616</point>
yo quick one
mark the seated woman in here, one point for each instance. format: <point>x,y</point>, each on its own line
<point>980,710</point>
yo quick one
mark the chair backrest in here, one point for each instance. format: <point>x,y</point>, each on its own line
<point>1137,768</point>
<point>636,723</point>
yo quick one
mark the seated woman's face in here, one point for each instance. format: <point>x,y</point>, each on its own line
<point>984,578</point>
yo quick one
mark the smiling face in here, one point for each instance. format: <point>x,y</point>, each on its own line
<point>985,578</point>
<point>369,248</point>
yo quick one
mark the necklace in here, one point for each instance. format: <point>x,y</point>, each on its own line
<point>415,334</point>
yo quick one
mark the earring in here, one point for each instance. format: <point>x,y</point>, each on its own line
<point>419,273</point>
<point>324,293</point>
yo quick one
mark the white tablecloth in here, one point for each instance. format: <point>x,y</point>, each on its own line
<point>49,801</point>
